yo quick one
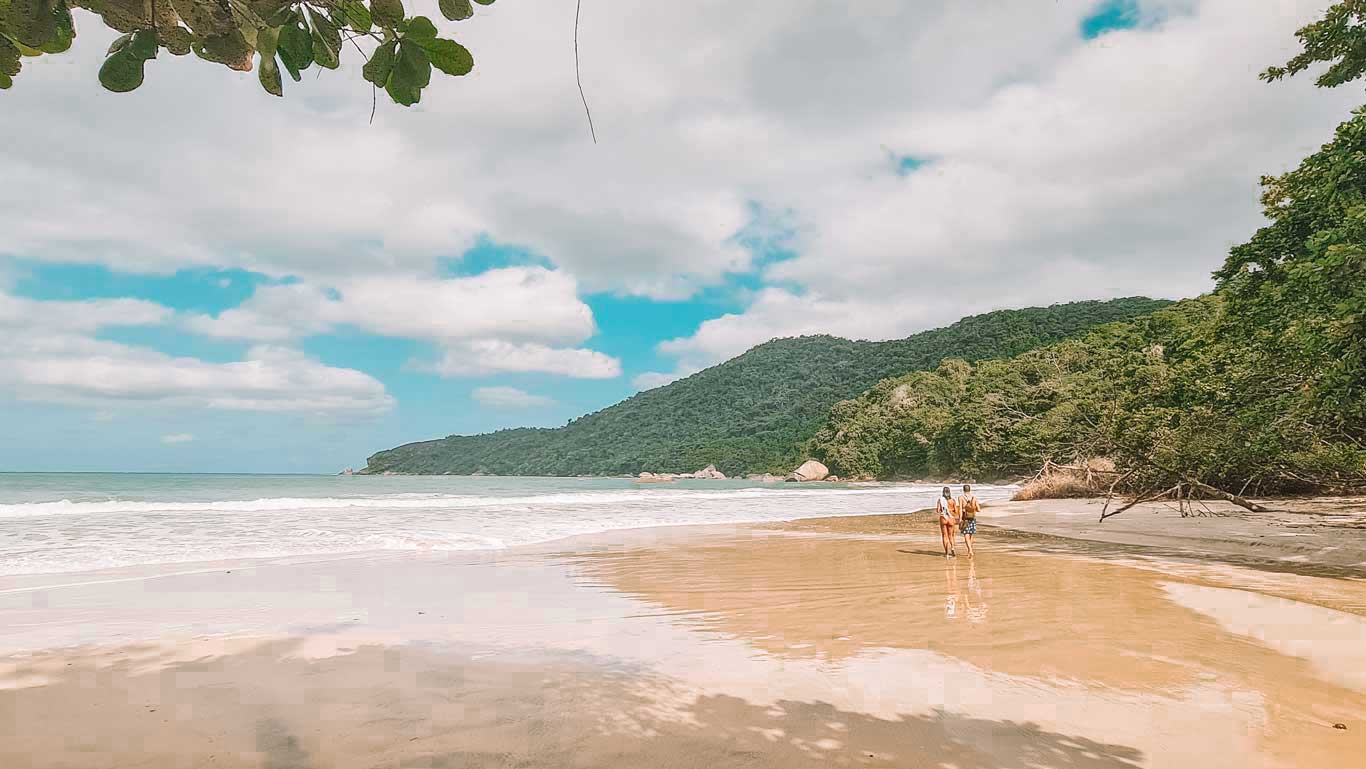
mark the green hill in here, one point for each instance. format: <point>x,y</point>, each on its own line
<point>753,413</point>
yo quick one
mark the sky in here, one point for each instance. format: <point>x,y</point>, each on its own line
<point>197,276</point>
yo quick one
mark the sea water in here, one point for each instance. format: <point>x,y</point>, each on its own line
<point>69,522</point>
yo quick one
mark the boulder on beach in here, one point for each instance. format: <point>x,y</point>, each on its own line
<point>654,478</point>
<point>810,470</point>
<point>710,473</point>
<point>764,477</point>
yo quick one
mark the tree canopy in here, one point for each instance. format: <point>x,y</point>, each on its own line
<point>274,36</point>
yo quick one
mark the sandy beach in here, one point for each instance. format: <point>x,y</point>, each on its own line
<point>1150,641</point>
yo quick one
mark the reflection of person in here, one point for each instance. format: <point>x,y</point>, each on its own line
<point>968,507</point>
<point>947,509</point>
<point>976,613</point>
<point>950,591</point>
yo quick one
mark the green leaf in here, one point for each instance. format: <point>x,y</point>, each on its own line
<point>230,49</point>
<point>456,10</point>
<point>357,15</point>
<point>269,73</point>
<point>122,72</point>
<point>413,64</point>
<point>484,2</point>
<point>63,30</point>
<point>326,41</point>
<point>295,48</point>
<point>412,72</point>
<point>420,28</point>
<point>119,43</point>
<point>5,82</point>
<point>144,44</point>
<point>277,13</point>
<point>267,41</point>
<point>387,13</point>
<point>176,40</point>
<point>381,63</point>
<point>9,58</point>
<point>32,22</point>
<point>448,56</point>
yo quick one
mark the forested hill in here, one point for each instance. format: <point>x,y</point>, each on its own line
<point>752,413</point>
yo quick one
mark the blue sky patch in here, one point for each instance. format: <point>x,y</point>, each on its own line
<point>1109,16</point>
<point>198,290</point>
<point>488,254</point>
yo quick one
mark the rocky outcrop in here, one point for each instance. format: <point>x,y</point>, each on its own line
<point>708,473</point>
<point>810,470</point>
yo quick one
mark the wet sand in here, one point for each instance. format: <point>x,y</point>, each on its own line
<point>845,642</point>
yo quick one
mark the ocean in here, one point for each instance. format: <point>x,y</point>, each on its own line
<point>72,522</point>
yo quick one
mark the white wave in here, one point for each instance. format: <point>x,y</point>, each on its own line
<point>68,536</point>
<point>430,502</point>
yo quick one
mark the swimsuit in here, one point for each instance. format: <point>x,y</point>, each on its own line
<point>946,509</point>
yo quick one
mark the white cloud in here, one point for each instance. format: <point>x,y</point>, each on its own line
<point>174,438</point>
<point>515,303</point>
<point>652,379</point>
<point>509,398</point>
<point>47,353</point>
<point>480,357</point>
<point>80,316</point>
<point>504,320</point>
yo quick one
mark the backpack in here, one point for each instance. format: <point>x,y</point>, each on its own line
<point>970,508</point>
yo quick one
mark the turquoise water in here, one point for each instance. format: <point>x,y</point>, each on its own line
<point>67,522</point>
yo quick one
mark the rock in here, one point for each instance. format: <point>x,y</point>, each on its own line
<point>654,478</point>
<point>810,470</point>
<point>763,477</point>
<point>710,473</point>
<point>833,479</point>
<point>347,471</point>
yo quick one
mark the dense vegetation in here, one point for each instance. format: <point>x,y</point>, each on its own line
<point>750,414</point>
<point>277,35</point>
<point>1259,386</point>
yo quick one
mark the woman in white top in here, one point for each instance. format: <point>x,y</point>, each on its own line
<point>947,509</point>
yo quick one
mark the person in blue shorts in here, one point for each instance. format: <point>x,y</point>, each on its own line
<point>968,507</point>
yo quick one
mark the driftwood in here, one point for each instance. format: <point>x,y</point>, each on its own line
<point>1136,502</point>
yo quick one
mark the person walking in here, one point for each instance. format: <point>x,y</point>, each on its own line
<point>968,507</point>
<point>946,508</point>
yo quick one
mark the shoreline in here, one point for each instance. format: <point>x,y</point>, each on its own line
<point>1262,541</point>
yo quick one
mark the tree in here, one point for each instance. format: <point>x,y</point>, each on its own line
<point>272,35</point>
<point>1338,39</point>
